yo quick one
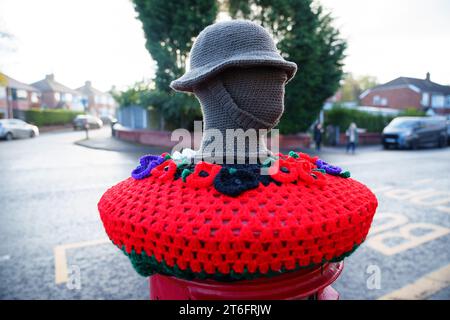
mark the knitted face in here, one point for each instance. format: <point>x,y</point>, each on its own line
<point>240,98</point>
<point>243,98</point>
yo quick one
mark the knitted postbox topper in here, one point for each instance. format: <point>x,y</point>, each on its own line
<point>195,219</point>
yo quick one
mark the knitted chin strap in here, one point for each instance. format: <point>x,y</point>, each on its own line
<point>241,98</point>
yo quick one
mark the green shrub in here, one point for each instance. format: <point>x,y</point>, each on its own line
<point>342,117</point>
<point>412,112</point>
<point>50,117</point>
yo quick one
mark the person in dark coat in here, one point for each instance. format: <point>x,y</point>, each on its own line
<point>318,130</point>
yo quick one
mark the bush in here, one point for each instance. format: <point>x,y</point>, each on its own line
<point>50,117</point>
<point>412,112</point>
<point>342,117</point>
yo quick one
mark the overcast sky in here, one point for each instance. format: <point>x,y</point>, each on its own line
<point>101,41</point>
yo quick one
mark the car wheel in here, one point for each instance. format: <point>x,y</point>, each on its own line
<point>9,136</point>
<point>32,134</point>
<point>414,145</point>
<point>385,146</point>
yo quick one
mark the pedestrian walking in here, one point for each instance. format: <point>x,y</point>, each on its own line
<point>352,137</point>
<point>318,130</point>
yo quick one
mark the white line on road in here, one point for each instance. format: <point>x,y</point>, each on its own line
<point>422,288</point>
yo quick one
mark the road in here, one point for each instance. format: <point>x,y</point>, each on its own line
<point>53,246</point>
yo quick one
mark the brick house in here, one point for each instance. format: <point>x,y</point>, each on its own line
<point>16,97</point>
<point>98,103</point>
<point>403,92</point>
<point>55,95</point>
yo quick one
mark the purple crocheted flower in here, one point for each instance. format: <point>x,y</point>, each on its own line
<point>330,169</point>
<point>147,163</point>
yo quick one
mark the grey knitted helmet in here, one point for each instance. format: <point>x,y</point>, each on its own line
<point>235,43</point>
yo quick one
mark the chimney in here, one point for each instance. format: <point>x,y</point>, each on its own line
<point>428,77</point>
<point>88,84</point>
<point>50,77</point>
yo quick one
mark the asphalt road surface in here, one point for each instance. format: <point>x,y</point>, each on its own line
<point>53,246</point>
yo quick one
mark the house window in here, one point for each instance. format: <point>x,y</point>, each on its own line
<point>384,101</point>
<point>21,94</point>
<point>18,94</point>
<point>376,100</point>
<point>67,97</point>
<point>57,96</point>
<point>2,93</point>
<point>34,97</point>
<point>447,101</point>
<point>425,99</point>
<point>437,101</point>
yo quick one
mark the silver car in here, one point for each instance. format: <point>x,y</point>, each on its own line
<point>15,128</point>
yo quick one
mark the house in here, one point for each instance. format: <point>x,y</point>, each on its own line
<point>97,103</point>
<point>403,92</point>
<point>55,95</point>
<point>16,97</point>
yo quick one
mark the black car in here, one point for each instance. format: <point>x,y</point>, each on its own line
<point>448,129</point>
<point>415,132</point>
<point>82,120</point>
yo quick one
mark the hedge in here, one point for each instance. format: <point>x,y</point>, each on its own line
<point>342,117</point>
<point>50,117</point>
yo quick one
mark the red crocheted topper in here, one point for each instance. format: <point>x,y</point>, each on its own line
<point>186,227</point>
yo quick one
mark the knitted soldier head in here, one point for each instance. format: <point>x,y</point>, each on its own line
<point>239,78</point>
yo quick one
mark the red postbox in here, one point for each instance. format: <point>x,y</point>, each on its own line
<point>313,283</point>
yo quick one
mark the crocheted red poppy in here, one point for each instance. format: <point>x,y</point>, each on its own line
<point>165,226</point>
<point>203,175</point>
<point>165,171</point>
<point>283,171</point>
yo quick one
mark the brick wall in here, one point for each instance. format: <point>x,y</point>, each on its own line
<point>398,98</point>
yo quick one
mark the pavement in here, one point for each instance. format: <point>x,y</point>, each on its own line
<point>53,246</point>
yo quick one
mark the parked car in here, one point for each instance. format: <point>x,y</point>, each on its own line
<point>415,132</point>
<point>15,128</point>
<point>82,120</point>
<point>108,119</point>
<point>448,129</point>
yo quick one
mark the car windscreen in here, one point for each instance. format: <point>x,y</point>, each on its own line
<point>403,123</point>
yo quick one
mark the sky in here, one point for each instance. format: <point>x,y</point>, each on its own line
<point>102,41</point>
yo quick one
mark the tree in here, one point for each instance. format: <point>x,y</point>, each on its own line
<point>133,95</point>
<point>170,28</point>
<point>352,86</point>
<point>305,35</point>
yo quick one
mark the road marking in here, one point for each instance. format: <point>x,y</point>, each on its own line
<point>422,288</point>
<point>61,273</point>
<point>410,240</point>
<point>393,220</point>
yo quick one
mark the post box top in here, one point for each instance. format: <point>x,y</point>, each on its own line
<point>203,220</point>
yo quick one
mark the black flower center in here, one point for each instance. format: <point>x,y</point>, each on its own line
<point>203,174</point>
<point>166,168</point>
<point>284,169</point>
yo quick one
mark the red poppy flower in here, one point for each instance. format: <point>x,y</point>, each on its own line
<point>307,157</point>
<point>203,175</point>
<point>165,171</point>
<point>304,169</point>
<point>283,171</point>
